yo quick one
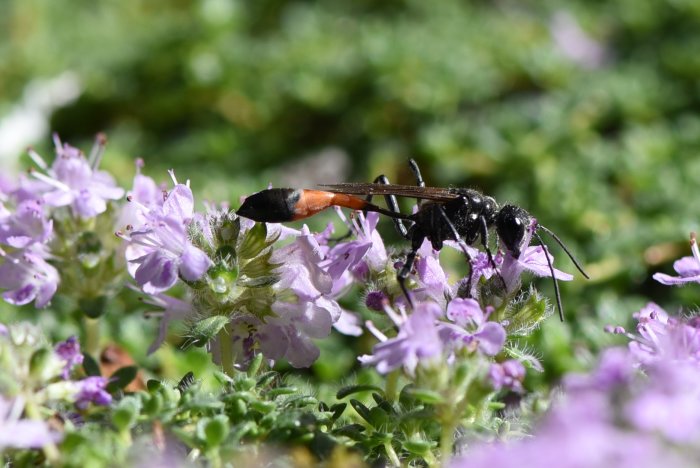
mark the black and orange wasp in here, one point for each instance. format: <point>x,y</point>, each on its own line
<point>460,214</point>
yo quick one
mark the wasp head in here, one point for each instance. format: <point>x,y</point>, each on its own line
<point>511,222</point>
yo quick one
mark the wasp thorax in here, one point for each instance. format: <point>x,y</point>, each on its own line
<point>511,223</point>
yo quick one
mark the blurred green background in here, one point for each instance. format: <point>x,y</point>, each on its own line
<point>586,113</point>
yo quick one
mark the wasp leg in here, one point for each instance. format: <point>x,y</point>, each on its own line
<point>455,234</point>
<point>485,242</point>
<point>393,206</point>
<point>416,172</point>
<point>417,239</point>
<point>419,178</point>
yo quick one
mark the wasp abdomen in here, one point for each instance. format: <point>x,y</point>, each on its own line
<point>278,205</point>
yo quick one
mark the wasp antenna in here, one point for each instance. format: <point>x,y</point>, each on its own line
<point>554,278</point>
<point>571,256</point>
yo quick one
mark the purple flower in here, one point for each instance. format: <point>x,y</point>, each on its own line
<point>640,407</point>
<point>481,268</point>
<point>288,334</point>
<point>508,374</point>
<point>170,309</point>
<point>471,329</point>
<point>301,269</point>
<point>687,267</point>
<point>348,324</point>
<point>92,390</point>
<point>297,308</point>
<point>532,259</point>
<point>431,279</point>
<point>310,311</point>
<point>365,253</point>
<point>74,181</point>
<point>287,338</point>
<point>22,433</point>
<point>575,43</point>
<point>417,341</point>
<point>579,444</point>
<point>69,351</point>
<point>376,300</point>
<point>587,427</point>
<point>161,249</point>
<point>144,196</point>
<point>27,225</point>
<point>615,369</point>
<point>27,277</point>
<point>664,338</point>
<point>670,402</point>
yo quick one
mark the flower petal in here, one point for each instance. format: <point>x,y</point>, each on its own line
<point>194,263</point>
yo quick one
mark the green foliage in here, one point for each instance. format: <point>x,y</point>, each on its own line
<point>236,94</point>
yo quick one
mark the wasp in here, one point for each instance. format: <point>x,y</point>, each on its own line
<point>463,215</point>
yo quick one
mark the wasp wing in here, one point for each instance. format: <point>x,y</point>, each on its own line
<point>412,191</point>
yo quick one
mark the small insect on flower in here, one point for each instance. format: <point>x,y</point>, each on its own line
<point>444,214</point>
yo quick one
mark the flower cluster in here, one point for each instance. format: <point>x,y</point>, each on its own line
<point>35,381</point>
<point>639,407</point>
<point>451,319</point>
<point>617,415</point>
<point>40,213</point>
<point>244,296</point>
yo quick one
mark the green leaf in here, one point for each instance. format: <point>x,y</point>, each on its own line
<point>126,413</point>
<point>265,379</point>
<point>254,365</point>
<point>426,396</point>
<point>153,385</point>
<point>263,407</point>
<point>279,391</point>
<point>237,408</point>
<point>93,307</point>
<point>203,331</point>
<point>362,410</point>
<point>245,383</point>
<point>419,447</point>
<point>90,366</point>
<point>529,360</point>
<point>338,410</point>
<point>346,391</point>
<point>254,241</point>
<point>213,431</point>
<point>222,378</point>
<point>153,403</point>
<point>526,314</point>
<point>301,401</point>
<point>121,378</point>
<point>353,431</point>
<point>39,362</point>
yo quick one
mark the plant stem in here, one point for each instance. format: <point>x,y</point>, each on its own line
<point>392,381</point>
<point>92,336</point>
<point>392,454</point>
<point>446,441</point>
<point>226,351</point>
<point>50,449</point>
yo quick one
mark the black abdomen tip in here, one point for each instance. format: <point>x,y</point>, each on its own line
<point>270,206</point>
